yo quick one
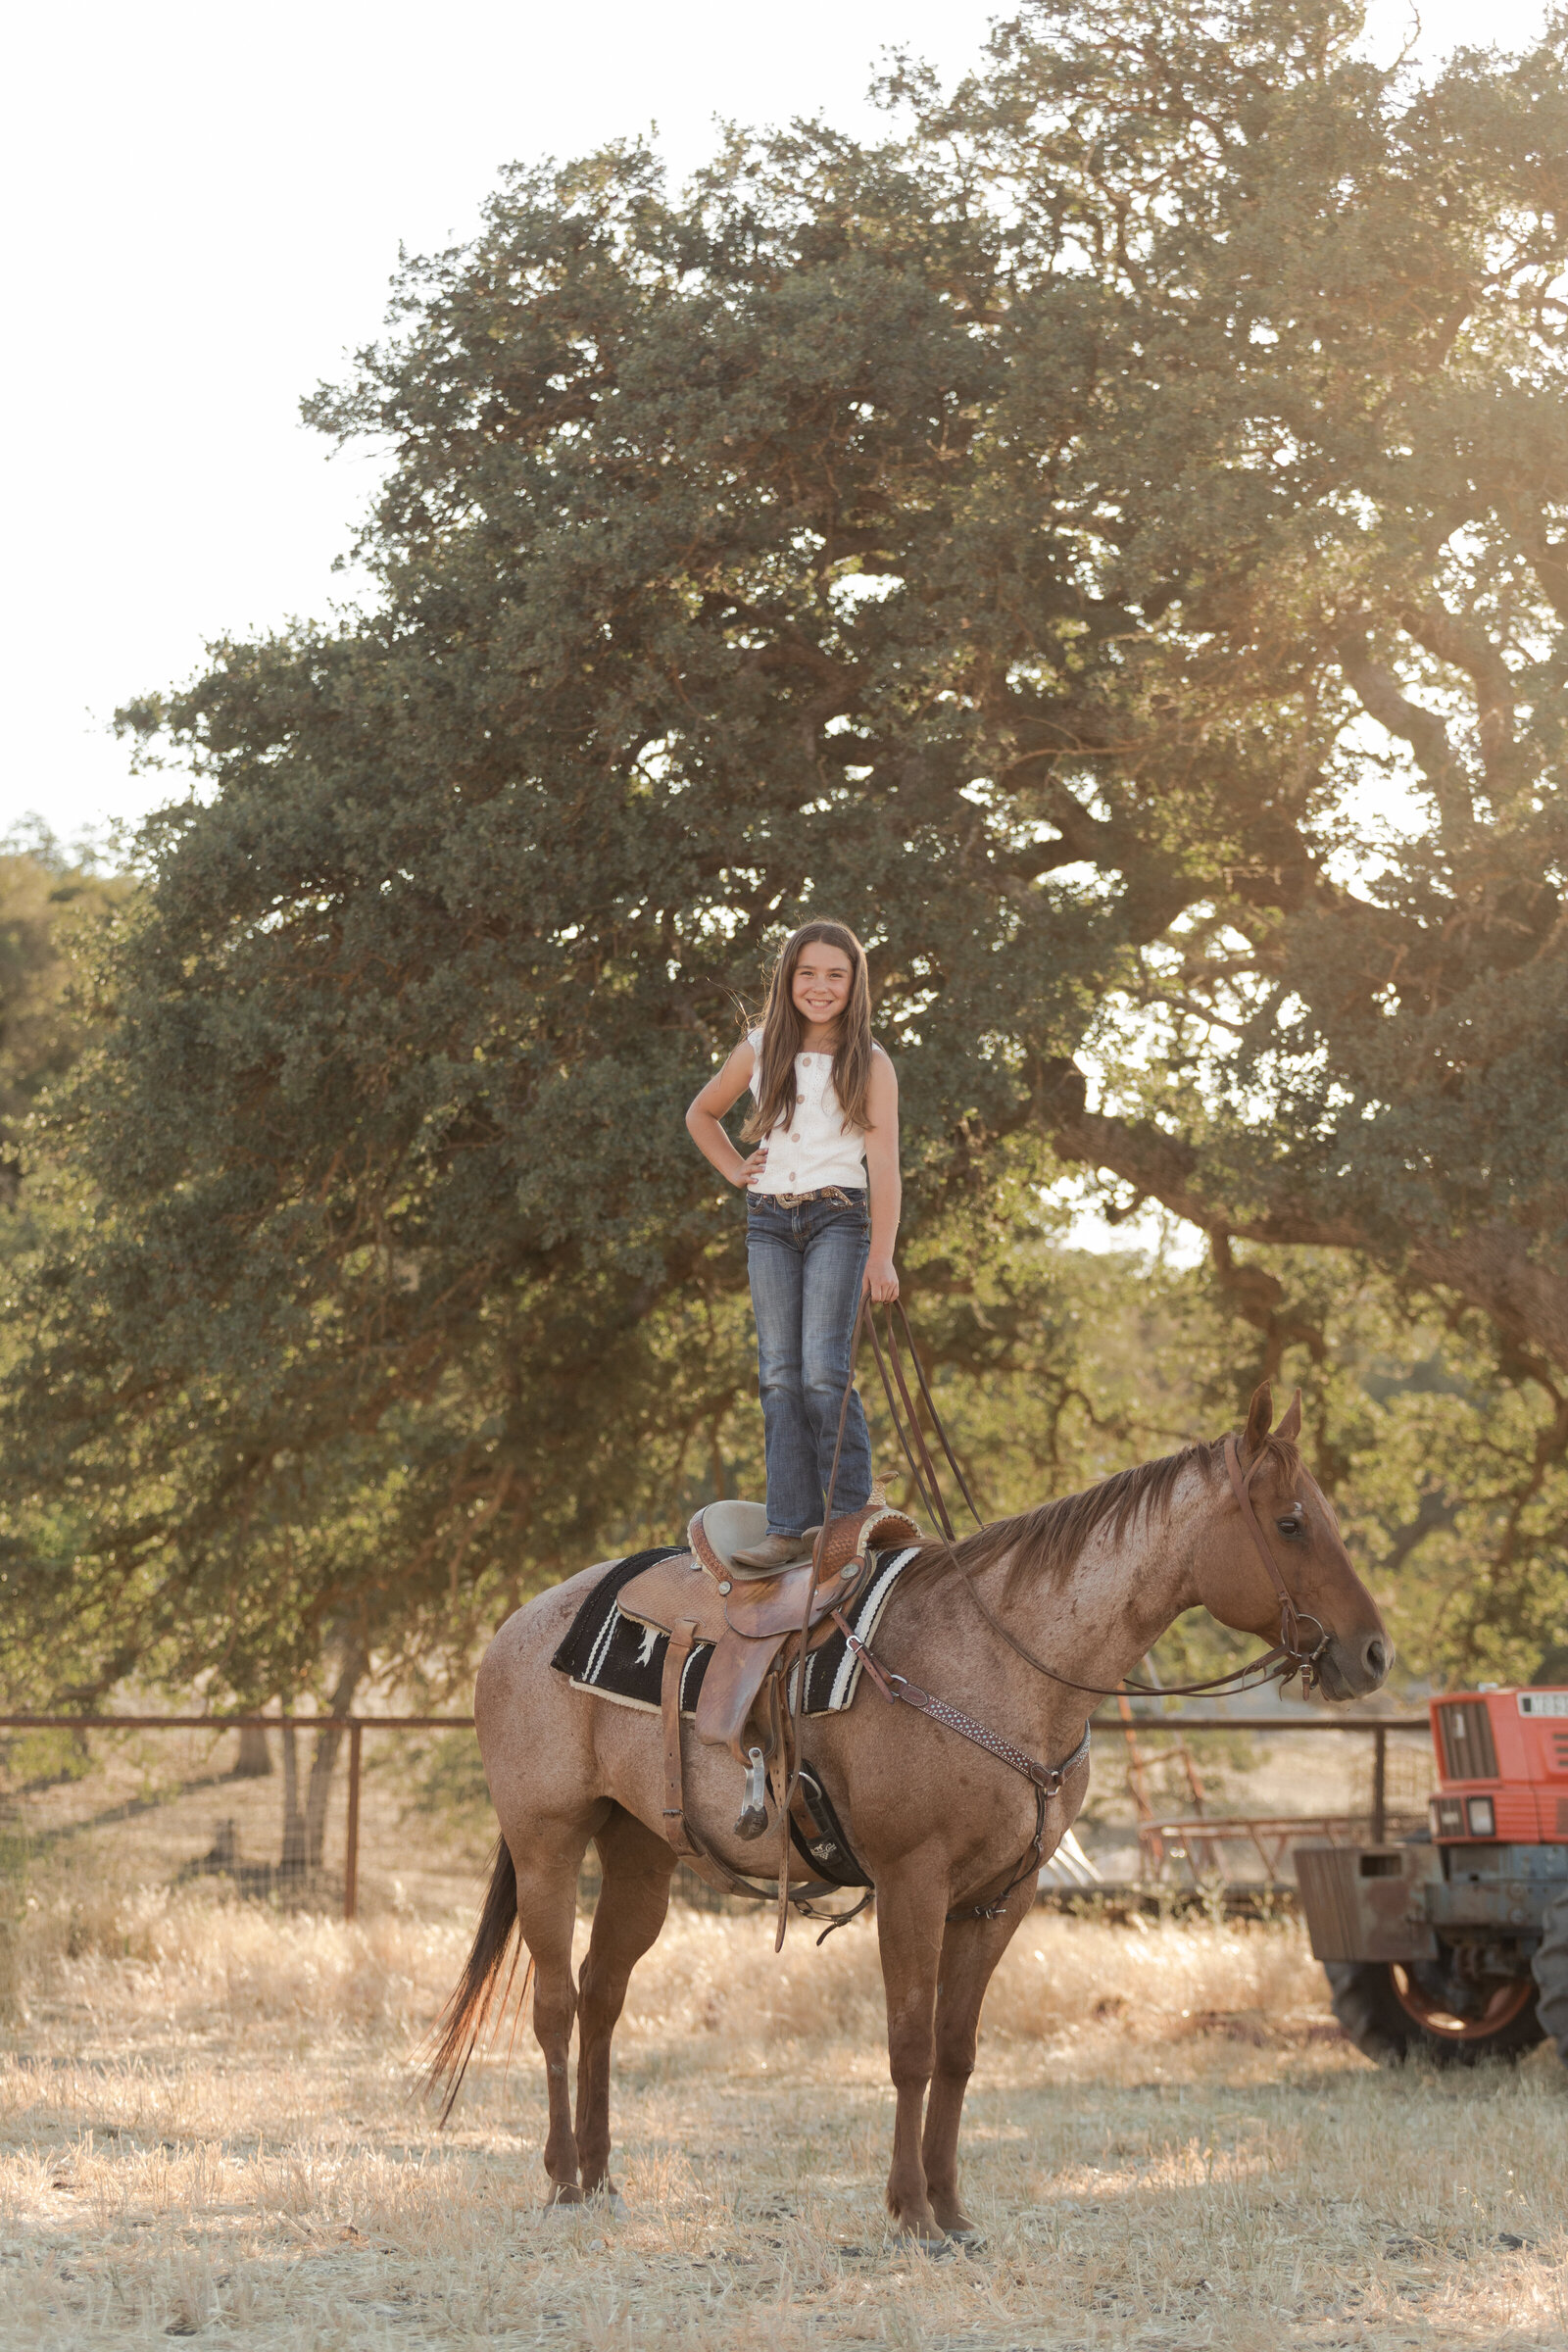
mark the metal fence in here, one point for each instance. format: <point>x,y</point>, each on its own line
<point>354,1726</point>
<point>1191,1835</point>
<point>1379,1728</point>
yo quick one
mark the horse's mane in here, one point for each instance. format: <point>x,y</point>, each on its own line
<point>1048,1541</point>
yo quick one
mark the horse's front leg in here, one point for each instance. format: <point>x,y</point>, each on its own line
<point>970,1951</point>
<point>632,1903</point>
<point>910,1905</point>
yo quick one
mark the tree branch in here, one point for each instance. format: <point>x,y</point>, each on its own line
<point>1473,651</point>
<point>1548,559</point>
<point>1490,1267</point>
<point>1260,1298</point>
<point>1378,692</point>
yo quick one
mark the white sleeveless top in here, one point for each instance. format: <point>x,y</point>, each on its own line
<point>817,1145</point>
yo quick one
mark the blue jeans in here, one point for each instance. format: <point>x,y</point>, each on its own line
<point>806,1267</point>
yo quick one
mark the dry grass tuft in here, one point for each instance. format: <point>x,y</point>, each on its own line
<point>206,2129</point>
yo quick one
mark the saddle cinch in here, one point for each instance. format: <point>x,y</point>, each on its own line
<point>753,1621</point>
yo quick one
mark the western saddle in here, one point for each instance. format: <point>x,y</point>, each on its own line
<point>753,1623</point>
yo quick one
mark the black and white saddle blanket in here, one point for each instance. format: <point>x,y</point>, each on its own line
<point>616,1658</point>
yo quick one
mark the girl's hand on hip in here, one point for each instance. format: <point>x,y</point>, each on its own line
<point>881,1280</point>
<point>750,1169</point>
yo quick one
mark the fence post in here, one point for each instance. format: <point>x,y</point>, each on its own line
<point>351,1857</point>
<point>1380,1786</point>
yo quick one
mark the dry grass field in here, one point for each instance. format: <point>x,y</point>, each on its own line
<point>209,2127</point>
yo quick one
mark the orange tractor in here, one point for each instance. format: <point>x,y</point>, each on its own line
<point>1456,1942</point>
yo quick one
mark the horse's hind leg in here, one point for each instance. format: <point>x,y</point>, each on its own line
<point>547,1912</point>
<point>632,1903</point>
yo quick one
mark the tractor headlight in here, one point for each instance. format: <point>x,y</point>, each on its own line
<point>1481,1817</point>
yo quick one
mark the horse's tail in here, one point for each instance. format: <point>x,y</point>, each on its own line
<point>468,2013</point>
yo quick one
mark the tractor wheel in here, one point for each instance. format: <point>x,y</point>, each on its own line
<point>1391,2013</point>
<point>1550,1966</point>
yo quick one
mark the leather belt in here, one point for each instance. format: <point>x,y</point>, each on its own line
<point>828,1191</point>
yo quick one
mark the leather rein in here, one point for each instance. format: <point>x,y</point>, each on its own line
<point>1288,1657</point>
<point>1045,1780</point>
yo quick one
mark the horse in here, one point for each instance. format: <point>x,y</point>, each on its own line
<point>1093,1579</point>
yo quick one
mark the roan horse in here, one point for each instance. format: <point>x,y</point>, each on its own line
<point>1093,1581</point>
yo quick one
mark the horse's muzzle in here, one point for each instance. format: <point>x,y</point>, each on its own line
<point>1350,1668</point>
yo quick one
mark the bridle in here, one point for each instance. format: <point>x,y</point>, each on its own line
<point>1289,1655</point>
<point>1306,1662</point>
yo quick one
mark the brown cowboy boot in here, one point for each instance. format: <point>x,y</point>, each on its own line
<point>774,1553</point>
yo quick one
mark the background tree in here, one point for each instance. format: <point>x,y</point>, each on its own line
<point>54,905</point>
<point>56,909</point>
<point>1028,537</point>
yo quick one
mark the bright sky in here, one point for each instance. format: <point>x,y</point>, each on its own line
<point>206,207</point>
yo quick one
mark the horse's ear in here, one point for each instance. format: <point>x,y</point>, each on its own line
<point>1259,1413</point>
<point>1290,1427</point>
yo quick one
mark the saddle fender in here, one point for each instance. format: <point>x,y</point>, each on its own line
<point>751,1625</point>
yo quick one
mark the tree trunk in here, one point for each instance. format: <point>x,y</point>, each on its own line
<point>255,1762</point>
<point>328,1742</point>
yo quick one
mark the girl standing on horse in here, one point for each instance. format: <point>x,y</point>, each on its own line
<point>821,1216</point>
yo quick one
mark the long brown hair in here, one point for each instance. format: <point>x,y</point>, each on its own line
<point>773,1078</point>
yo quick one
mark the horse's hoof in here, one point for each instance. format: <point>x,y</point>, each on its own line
<point>933,2242</point>
<point>967,2236</point>
<point>562,2198</point>
<point>607,2198</point>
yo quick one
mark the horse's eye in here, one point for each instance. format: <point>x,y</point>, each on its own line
<point>1289,1525</point>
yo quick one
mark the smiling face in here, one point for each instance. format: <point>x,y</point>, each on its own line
<point>820,984</point>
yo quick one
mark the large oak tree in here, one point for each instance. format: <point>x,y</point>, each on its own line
<point>1046,539</point>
